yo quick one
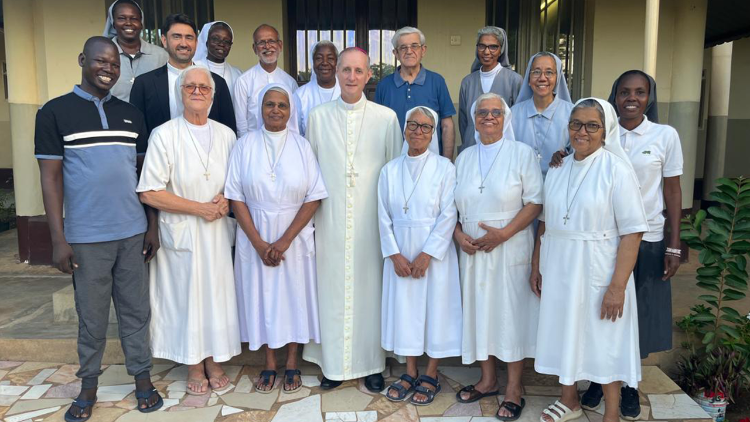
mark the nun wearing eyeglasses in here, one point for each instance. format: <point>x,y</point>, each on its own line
<point>421,312</point>
<point>586,248</point>
<point>498,195</point>
<point>540,115</point>
<point>213,47</point>
<point>194,317</point>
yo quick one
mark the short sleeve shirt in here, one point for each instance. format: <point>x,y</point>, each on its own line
<point>428,89</point>
<point>655,153</point>
<point>97,141</point>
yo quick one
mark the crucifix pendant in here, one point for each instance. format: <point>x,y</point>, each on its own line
<point>566,218</point>
<point>481,188</point>
<point>538,156</point>
<point>351,175</point>
<point>406,208</point>
<point>273,176</point>
<point>207,174</point>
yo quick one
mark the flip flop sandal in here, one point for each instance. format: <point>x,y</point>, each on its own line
<point>145,395</point>
<point>514,409</point>
<point>402,391</point>
<point>560,413</point>
<point>289,375</point>
<point>266,375</point>
<point>474,394</point>
<point>226,386</point>
<point>197,393</point>
<point>81,404</point>
<point>424,390</point>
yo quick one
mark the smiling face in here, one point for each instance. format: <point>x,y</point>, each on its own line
<point>632,97</point>
<point>267,45</point>
<point>488,58</point>
<point>324,64</point>
<point>410,50</point>
<point>127,21</point>
<point>353,74</point>
<point>192,98</point>
<point>417,140</point>
<point>543,76</point>
<point>583,142</point>
<point>180,43</point>
<point>219,44</point>
<point>276,111</point>
<point>100,68</point>
<point>490,127</point>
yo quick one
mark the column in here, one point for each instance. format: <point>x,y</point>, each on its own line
<point>651,37</point>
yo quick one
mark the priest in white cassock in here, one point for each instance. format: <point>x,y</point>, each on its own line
<point>214,44</point>
<point>267,46</point>
<point>498,195</point>
<point>193,304</point>
<point>323,86</point>
<point>421,289</point>
<point>275,186</point>
<point>353,139</point>
<point>586,248</point>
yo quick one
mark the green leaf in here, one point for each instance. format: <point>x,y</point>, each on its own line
<point>741,246</point>
<point>744,202</point>
<point>707,286</point>
<point>731,294</point>
<point>727,182</point>
<point>734,268</point>
<point>741,262</point>
<point>742,235</point>
<point>708,279</point>
<point>745,225</point>
<point>731,318</point>
<point>741,281</point>
<point>730,330</point>
<point>685,235</point>
<point>709,337</point>
<point>712,270</point>
<point>706,257</point>
<point>724,198</point>
<point>718,229</point>
<point>705,318</point>
<point>721,213</point>
<point>730,311</point>
<point>708,298</point>
<point>699,217</point>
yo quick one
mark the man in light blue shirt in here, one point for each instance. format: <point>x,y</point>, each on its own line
<point>412,85</point>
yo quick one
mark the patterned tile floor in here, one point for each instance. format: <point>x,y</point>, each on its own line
<point>36,391</point>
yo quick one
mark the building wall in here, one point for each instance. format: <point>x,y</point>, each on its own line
<point>738,122</point>
<point>6,149</point>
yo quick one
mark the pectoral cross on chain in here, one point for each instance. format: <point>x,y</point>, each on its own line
<point>566,218</point>
<point>207,174</point>
<point>481,188</point>
<point>406,209</point>
<point>351,175</point>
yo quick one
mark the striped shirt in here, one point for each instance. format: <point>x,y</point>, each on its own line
<point>97,141</point>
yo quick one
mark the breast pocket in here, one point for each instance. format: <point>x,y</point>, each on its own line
<point>176,236</point>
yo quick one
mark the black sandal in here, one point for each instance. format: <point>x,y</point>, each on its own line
<point>400,389</point>
<point>474,394</point>
<point>513,408</point>
<point>266,376</point>
<point>289,375</point>
<point>145,395</point>
<point>81,404</point>
<point>424,390</point>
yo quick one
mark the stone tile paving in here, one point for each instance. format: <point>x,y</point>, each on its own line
<point>39,391</point>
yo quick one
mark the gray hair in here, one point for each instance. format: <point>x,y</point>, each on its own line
<point>544,54</point>
<point>406,31</point>
<point>494,31</point>
<point>488,96</point>
<point>349,50</point>
<point>426,111</point>
<point>592,103</point>
<point>183,76</point>
<point>325,43</point>
<point>278,89</point>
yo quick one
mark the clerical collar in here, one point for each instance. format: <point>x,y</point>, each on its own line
<point>173,69</point>
<point>356,106</point>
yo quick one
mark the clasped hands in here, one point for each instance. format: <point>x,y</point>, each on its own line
<point>492,239</point>
<point>214,210</point>
<point>416,269</point>
<point>271,254</point>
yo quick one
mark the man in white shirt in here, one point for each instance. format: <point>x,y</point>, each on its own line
<point>267,46</point>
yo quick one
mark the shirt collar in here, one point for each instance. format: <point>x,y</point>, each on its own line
<point>419,80</point>
<point>146,48</point>
<point>548,112</point>
<point>88,97</point>
<point>641,129</point>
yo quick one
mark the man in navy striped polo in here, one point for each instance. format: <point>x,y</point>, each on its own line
<point>90,145</point>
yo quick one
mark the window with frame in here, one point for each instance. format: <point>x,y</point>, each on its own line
<point>155,11</point>
<point>368,24</point>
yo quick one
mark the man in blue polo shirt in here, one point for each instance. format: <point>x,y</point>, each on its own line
<point>412,85</point>
<point>90,145</point>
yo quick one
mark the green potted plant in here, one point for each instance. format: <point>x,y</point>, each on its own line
<point>715,369</point>
<point>7,211</point>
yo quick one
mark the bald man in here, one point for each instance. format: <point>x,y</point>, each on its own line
<point>267,45</point>
<point>90,145</point>
<point>353,139</point>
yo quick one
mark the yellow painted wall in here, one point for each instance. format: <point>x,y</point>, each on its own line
<point>244,16</point>
<point>6,156</point>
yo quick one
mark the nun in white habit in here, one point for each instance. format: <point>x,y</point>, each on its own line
<point>540,115</point>
<point>275,185</point>
<point>323,86</point>
<point>214,44</point>
<point>585,252</point>
<point>490,72</point>
<point>498,195</point>
<point>421,306</point>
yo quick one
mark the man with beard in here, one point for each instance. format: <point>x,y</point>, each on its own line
<point>323,86</point>
<point>155,93</point>
<point>267,46</point>
<point>90,147</point>
<point>123,26</point>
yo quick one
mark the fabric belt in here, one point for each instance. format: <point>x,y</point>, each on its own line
<point>489,216</point>
<point>581,235</point>
<point>420,222</point>
<point>271,207</point>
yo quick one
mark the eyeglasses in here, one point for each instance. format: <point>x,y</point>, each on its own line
<point>425,128</point>
<point>267,43</point>
<point>493,47</point>
<point>483,112</point>
<point>414,47</point>
<point>536,73</point>
<point>202,89</point>
<point>576,125</point>
<point>221,41</point>
<point>280,105</point>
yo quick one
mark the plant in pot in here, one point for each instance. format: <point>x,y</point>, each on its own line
<point>7,211</point>
<point>715,368</point>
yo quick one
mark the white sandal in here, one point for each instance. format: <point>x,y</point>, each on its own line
<point>560,413</point>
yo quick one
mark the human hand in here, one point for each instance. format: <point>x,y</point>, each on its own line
<point>557,158</point>
<point>63,258</point>
<point>465,242</point>
<point>277,249</point>
<point>222,202</point>
<point>262,248</point>
<point>420,264</point>
<point>210,211</point>
<point>535,280</point>
<point>401,265</point>
<point>613,303</point>
<point>671,265</point>
<point>491,239</point>
<point>151,242</point>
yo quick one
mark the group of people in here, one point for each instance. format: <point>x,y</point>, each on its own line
<point>354,234</point>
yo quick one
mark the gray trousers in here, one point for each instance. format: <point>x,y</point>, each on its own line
<point>111,270</point>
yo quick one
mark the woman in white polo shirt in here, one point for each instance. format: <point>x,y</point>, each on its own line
<point>656,155</point>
